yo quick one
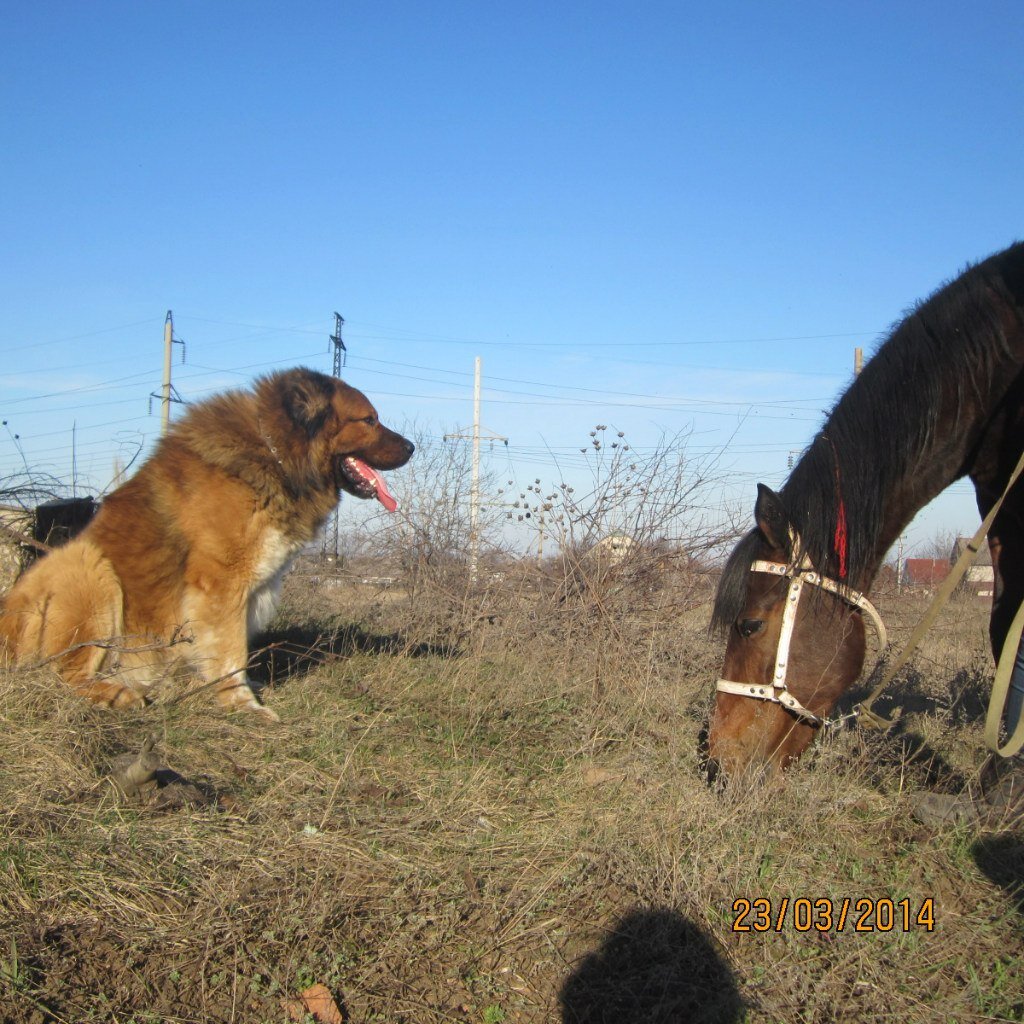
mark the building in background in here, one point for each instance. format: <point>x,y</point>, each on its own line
<point>925,573</point>
<point>980,577</point>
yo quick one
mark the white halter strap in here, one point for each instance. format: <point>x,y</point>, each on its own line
<point>798,575</point>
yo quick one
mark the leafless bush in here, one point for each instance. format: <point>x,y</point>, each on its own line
<point>29,488</point>
<point>637,527</point>
<point>20,493</point>
<point>598,566</point>
<point>425,545</point>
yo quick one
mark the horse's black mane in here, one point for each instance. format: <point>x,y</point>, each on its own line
<point>886,422</point>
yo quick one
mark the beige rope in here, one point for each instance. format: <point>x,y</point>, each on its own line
<point>942,595</point>
<point>1001,690</point>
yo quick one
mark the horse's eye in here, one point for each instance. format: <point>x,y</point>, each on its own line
<point>748,627</point>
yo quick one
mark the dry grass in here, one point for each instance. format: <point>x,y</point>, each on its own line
<point>461,820</point>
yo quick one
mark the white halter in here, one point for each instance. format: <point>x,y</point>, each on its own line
<point>798,575</point>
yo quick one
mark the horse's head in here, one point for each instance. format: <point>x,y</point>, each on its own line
<point>795,645</point>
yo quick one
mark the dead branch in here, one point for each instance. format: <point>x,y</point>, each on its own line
<point>24,538</point>
<point>117,644</point>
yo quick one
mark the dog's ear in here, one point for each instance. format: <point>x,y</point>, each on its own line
<point>306,397</point>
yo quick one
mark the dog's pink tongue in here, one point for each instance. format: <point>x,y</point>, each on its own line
<point>384,496</point>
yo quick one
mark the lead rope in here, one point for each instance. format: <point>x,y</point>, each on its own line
<point>1000,687</point>
<point>1001,690</point>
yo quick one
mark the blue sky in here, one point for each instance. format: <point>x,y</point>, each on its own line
<point>659,216</point>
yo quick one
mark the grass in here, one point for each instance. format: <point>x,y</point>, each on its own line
<point>507,826</point>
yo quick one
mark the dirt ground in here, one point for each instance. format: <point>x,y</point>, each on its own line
<point>495,811</point>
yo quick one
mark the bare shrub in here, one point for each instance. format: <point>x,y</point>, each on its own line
<point>625,558</point>
<point>630,546</point>
<point>424,546</point>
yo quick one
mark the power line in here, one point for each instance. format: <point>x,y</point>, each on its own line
<point>237,370</point>
<point>88,426</point>
<point>116,386</point>
<point>81,389</point>
<point>109,362</point>
<point>582,404</point>
<point>78,337</point>
<point>98,386</point>
<point>408,334</point>
<point>658,402</point>
<point>551,395</point>
<point>571,387</point>
<point>443,340</point>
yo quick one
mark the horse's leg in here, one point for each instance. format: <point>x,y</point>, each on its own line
<point>1006,545</point>
<point>997,799</point>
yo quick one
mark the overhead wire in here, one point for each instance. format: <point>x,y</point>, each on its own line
<point>411,334</point>
<point>621,343</point>
<point>101,385</point>
<point>51,342</point>
<point>154,381</point>
<point>556,394</point>
<point>582,404</point>
<point>564,387</point>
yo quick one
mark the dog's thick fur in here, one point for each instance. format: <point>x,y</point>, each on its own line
<point>194,546</point>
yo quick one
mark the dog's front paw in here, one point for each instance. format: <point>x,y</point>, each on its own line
<point>238,696</point>
<point>110,694</point>
<point>250,705</point>
<point>262,710</point>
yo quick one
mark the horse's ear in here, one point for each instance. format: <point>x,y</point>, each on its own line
<point>772,520</point>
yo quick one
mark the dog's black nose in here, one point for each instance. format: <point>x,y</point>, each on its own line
<point>409,447</point>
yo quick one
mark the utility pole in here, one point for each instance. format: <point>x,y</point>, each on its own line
<point>340,352</point>
<point>340,358</point>
<point>474,486</point>
<point>167,392</point>
<point>858,361</point>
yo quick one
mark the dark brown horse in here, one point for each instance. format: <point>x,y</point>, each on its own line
<point>943,398</point>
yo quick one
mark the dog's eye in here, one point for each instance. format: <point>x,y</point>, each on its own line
<point>748,627</point>
<point>370,420</point>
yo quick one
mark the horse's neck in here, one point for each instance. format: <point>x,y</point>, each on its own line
<point>970,438</point>
<point>900,512</point>
<point>945,463</point>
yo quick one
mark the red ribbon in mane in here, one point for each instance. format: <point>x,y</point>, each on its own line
<point>839,539</point>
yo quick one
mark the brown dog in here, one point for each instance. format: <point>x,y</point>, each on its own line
<point>194,546</point>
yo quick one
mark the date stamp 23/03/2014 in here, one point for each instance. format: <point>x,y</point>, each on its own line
<point>803,914</point>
